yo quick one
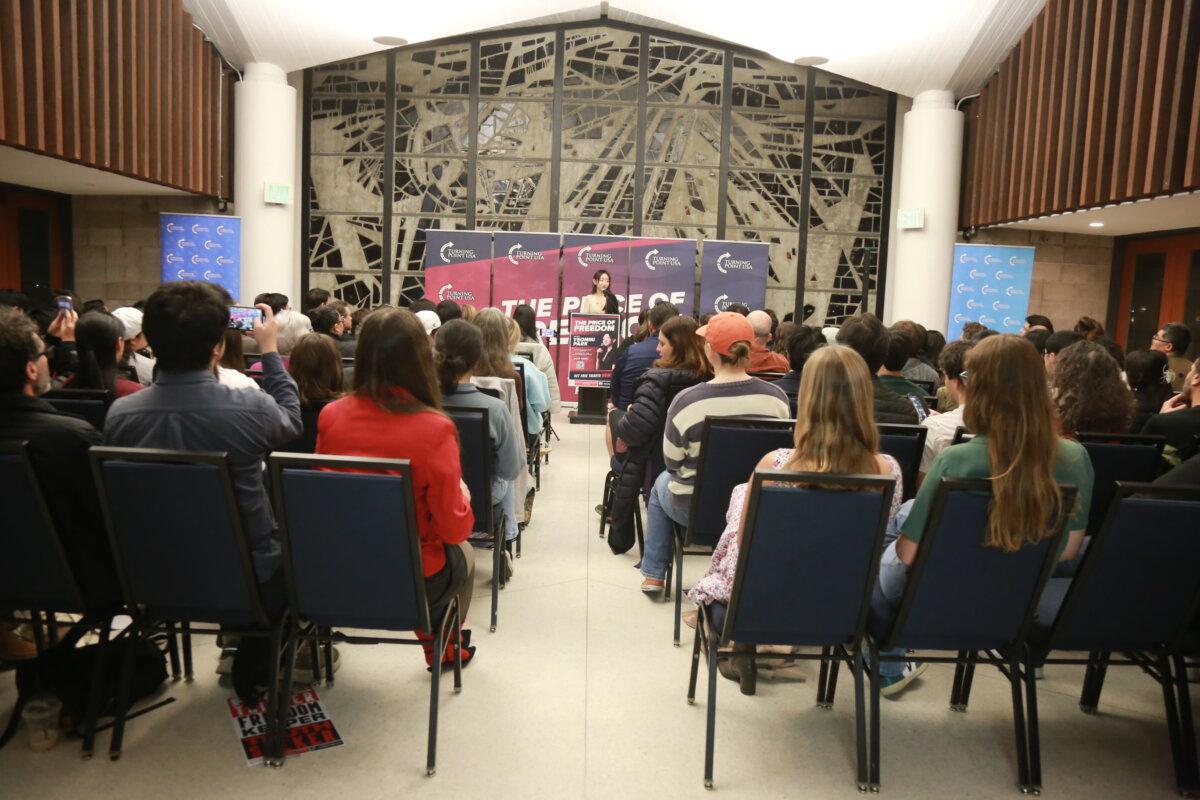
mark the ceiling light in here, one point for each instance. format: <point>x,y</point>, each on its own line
<point>811,61</point>
<point>390,41</point>
<point>1095,224</point>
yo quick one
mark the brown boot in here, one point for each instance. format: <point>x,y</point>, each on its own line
<point>14,648</point>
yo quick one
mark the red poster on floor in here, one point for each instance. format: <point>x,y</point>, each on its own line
<point>309,727</point>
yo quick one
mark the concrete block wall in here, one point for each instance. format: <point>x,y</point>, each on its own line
<point>115,243</point>
<point>1071,272</point>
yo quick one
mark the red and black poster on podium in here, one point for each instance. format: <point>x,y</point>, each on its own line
<point>592,349</point>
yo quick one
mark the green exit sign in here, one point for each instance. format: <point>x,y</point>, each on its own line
<point>279,194</point>
<point>911,218</point>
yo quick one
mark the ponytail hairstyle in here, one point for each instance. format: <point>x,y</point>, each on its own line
<point>739,355</point>
<point>96,337</point>
<point>1008,401</point>
<point>459,347</point>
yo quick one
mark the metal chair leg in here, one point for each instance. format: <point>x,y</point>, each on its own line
<point>435,679</point>
<point>1190,784</point>
<point>1035,745</point>
<point>274,741</point>
<point>93,706</point>
<point>51,628</point>
<point>860,720</point>
<point>691,694</point>
<point>831,687</point>
<point>497,574</point>
<point>873,653</point>
<point>456,632</point>
<point>960,669</point>
<point>637,526</point>
<point>1093,682</point>
<point>711,729</point>
<point>678,589</point>
<point>823,679</point>
<point>1179,758</point>
<point>1018,704</point>
<point>606,500</point>
<point>329,657</point>
<point>291,647</point>
<point>35,625</point>
<point>185,634</point>
<point>964,697</point>
<point>123,690</point>
<point>173,651</point>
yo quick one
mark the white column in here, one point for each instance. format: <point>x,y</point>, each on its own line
<point>930,170</point>
<point>264,151</point>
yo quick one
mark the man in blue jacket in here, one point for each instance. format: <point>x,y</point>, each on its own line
<point>639,357</point>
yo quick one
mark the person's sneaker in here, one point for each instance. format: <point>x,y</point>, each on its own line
<point>653,585</point>
<point>14,648</point>
<point>894,684</point>
<point>599,508</point>
<point>507,565</point>
<point>689,617</point>
<point>225,663</point>
<point>303,673</point>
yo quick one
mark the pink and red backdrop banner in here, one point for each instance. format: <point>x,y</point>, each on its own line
<point>458,266</point>
<point>661,269</point>
<point>525,271</point>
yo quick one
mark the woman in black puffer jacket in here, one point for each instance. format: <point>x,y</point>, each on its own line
<point>681,364</point>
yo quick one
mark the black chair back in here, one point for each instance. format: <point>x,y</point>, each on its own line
<point>306,442</point>
<point>475,453</point>
<point>961,435</point>
<point>906,444</point>
<point>350,538</point>
<point>961,595</point>
<point>930,401</point>
<point>91,404</point>
<point>769,377</point>
<point>1138,587</point>
<point>730,449</point>
<point>176,535</point>
<point>793,400</point>
<point>520,381</point>
<point>1118,457</point>
<point>929,387</point>
<point>37,573</point>
<point>808,559</point>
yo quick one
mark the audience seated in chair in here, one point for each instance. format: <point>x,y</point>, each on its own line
<point>1146,372</point>
<point>1088,391</point>
<point>500,338</point>
<point>916,339</point>
<point>639,432</point>
<point>891,372</point>
<point>942,426</point>
<point>802,342</point>
<point>188,409</point>
<point>731,392</point>
<point>867,336</point>
<point>394,412</point>
<point>1016,446</point>
<point>1056,342</point>
<point>1173,341</point>
<point>531,347</point>
<point>1179,418</point>
<point>762,357</point>
<point>633,362</point>
<point>831,435</point>
<point>100,342</point>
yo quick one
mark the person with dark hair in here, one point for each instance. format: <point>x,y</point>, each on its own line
<point>941,427</point>
<point>1038,337</point>
<point>601,299</point>
<point>934,342</point>
<point>1090,329</point>
<point>634,362</point>
<point>278,302</point>
<point>100,340</point>
<point>1146,371</point>
<point>983,334</point>
<point>891,372</point>
<point>93,305</point>
<point>314,298</point>
<point>969,330</point>
<point>1088,392</point>
<point>738,308</point>
<point>395,412</point>
<point>803,341</point>
<point>422,304</point>
<point>316,366</point>
<point>343,331</point>
<point>1037,321</point>
<point>1179,418</point>
<point>448,310</point>
<point>185,322</point>
<point>867,336</point>
<point>1112,348</point>
<point>727,339</point>
<point>783,335</point>
<point>1174,340</point>
<point>57,445</point>
<point>531,347</point>
<point>914,368</point>
<point>1055,343</point>
<point>327,321</point>
<point>14,299</point>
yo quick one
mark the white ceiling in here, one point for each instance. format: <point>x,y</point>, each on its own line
<point>903,47</point>
<point>56,175</point>
<point>1140,216</point>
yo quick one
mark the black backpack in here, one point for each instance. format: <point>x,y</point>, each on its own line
<point>66,672</point>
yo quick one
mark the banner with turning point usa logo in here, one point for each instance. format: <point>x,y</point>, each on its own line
<point>733,272</point>
<point>458,267</point>
<point>201,247</point>
<point>989,285</point>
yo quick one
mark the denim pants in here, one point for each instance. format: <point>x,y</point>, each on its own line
<point>507,500</point>
<point>660,511</point>
<point>893,576</point>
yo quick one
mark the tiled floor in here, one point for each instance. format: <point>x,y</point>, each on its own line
<point>579,693</point>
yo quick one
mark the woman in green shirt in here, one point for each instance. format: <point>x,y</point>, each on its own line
<point>1018,448</point>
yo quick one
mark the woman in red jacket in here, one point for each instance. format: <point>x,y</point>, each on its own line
<point>395,412</point>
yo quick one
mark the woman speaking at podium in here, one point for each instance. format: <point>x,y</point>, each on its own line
<point>601,300</point>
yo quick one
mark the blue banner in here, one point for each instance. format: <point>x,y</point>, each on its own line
<point>733,272</point>
<point>202,247</point>
<point>989,285</point>
<point>458,267</point>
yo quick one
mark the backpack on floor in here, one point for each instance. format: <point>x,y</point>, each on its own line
<point>66,672</point>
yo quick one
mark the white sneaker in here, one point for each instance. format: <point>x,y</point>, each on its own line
<point>890,686</point>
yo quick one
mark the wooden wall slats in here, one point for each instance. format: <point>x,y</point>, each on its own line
<point>1099,102</point>
<point>129,86</point>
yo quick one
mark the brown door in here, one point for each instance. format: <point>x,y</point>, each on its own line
<point>34,231</point>
<point>1160,283</point>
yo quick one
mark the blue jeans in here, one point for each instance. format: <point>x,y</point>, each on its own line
<point>893,576</point>
<point>660,511</point>
<point>507,500</point>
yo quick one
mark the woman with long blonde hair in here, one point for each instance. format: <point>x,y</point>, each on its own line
<point>500,338</point>
<point>1018,448</point>
<point>835,433</point>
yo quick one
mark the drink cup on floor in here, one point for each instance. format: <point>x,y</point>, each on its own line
<point>41,721</point>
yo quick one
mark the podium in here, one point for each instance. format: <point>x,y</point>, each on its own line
<point>593,407</point>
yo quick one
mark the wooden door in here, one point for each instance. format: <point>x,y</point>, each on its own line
<point>1160,283</point>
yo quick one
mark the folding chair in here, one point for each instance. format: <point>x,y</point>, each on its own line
<point>39,577</point>
<point>1118,457</point>
<point>91,404</point>
<point>182,556</point>
<point>1137,593</point>
<point>533,444</point>
<point>964,597</point>
<point>961,434</point>
<point>475,453</point>
<point>769,377</point>
<point>806,569</point>
<point>369,576</point>
<point>928,387</point>
<point>906,444</point>
<point>730,449</point>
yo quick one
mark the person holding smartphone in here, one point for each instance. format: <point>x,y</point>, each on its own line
<point>1179,419</point>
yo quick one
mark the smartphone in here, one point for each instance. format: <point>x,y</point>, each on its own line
<point>64,304</point>
<point>242,318</point>
<point>919,406</point>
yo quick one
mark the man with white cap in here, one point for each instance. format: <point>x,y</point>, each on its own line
<point>430,320</point>
<point>135,342</point>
